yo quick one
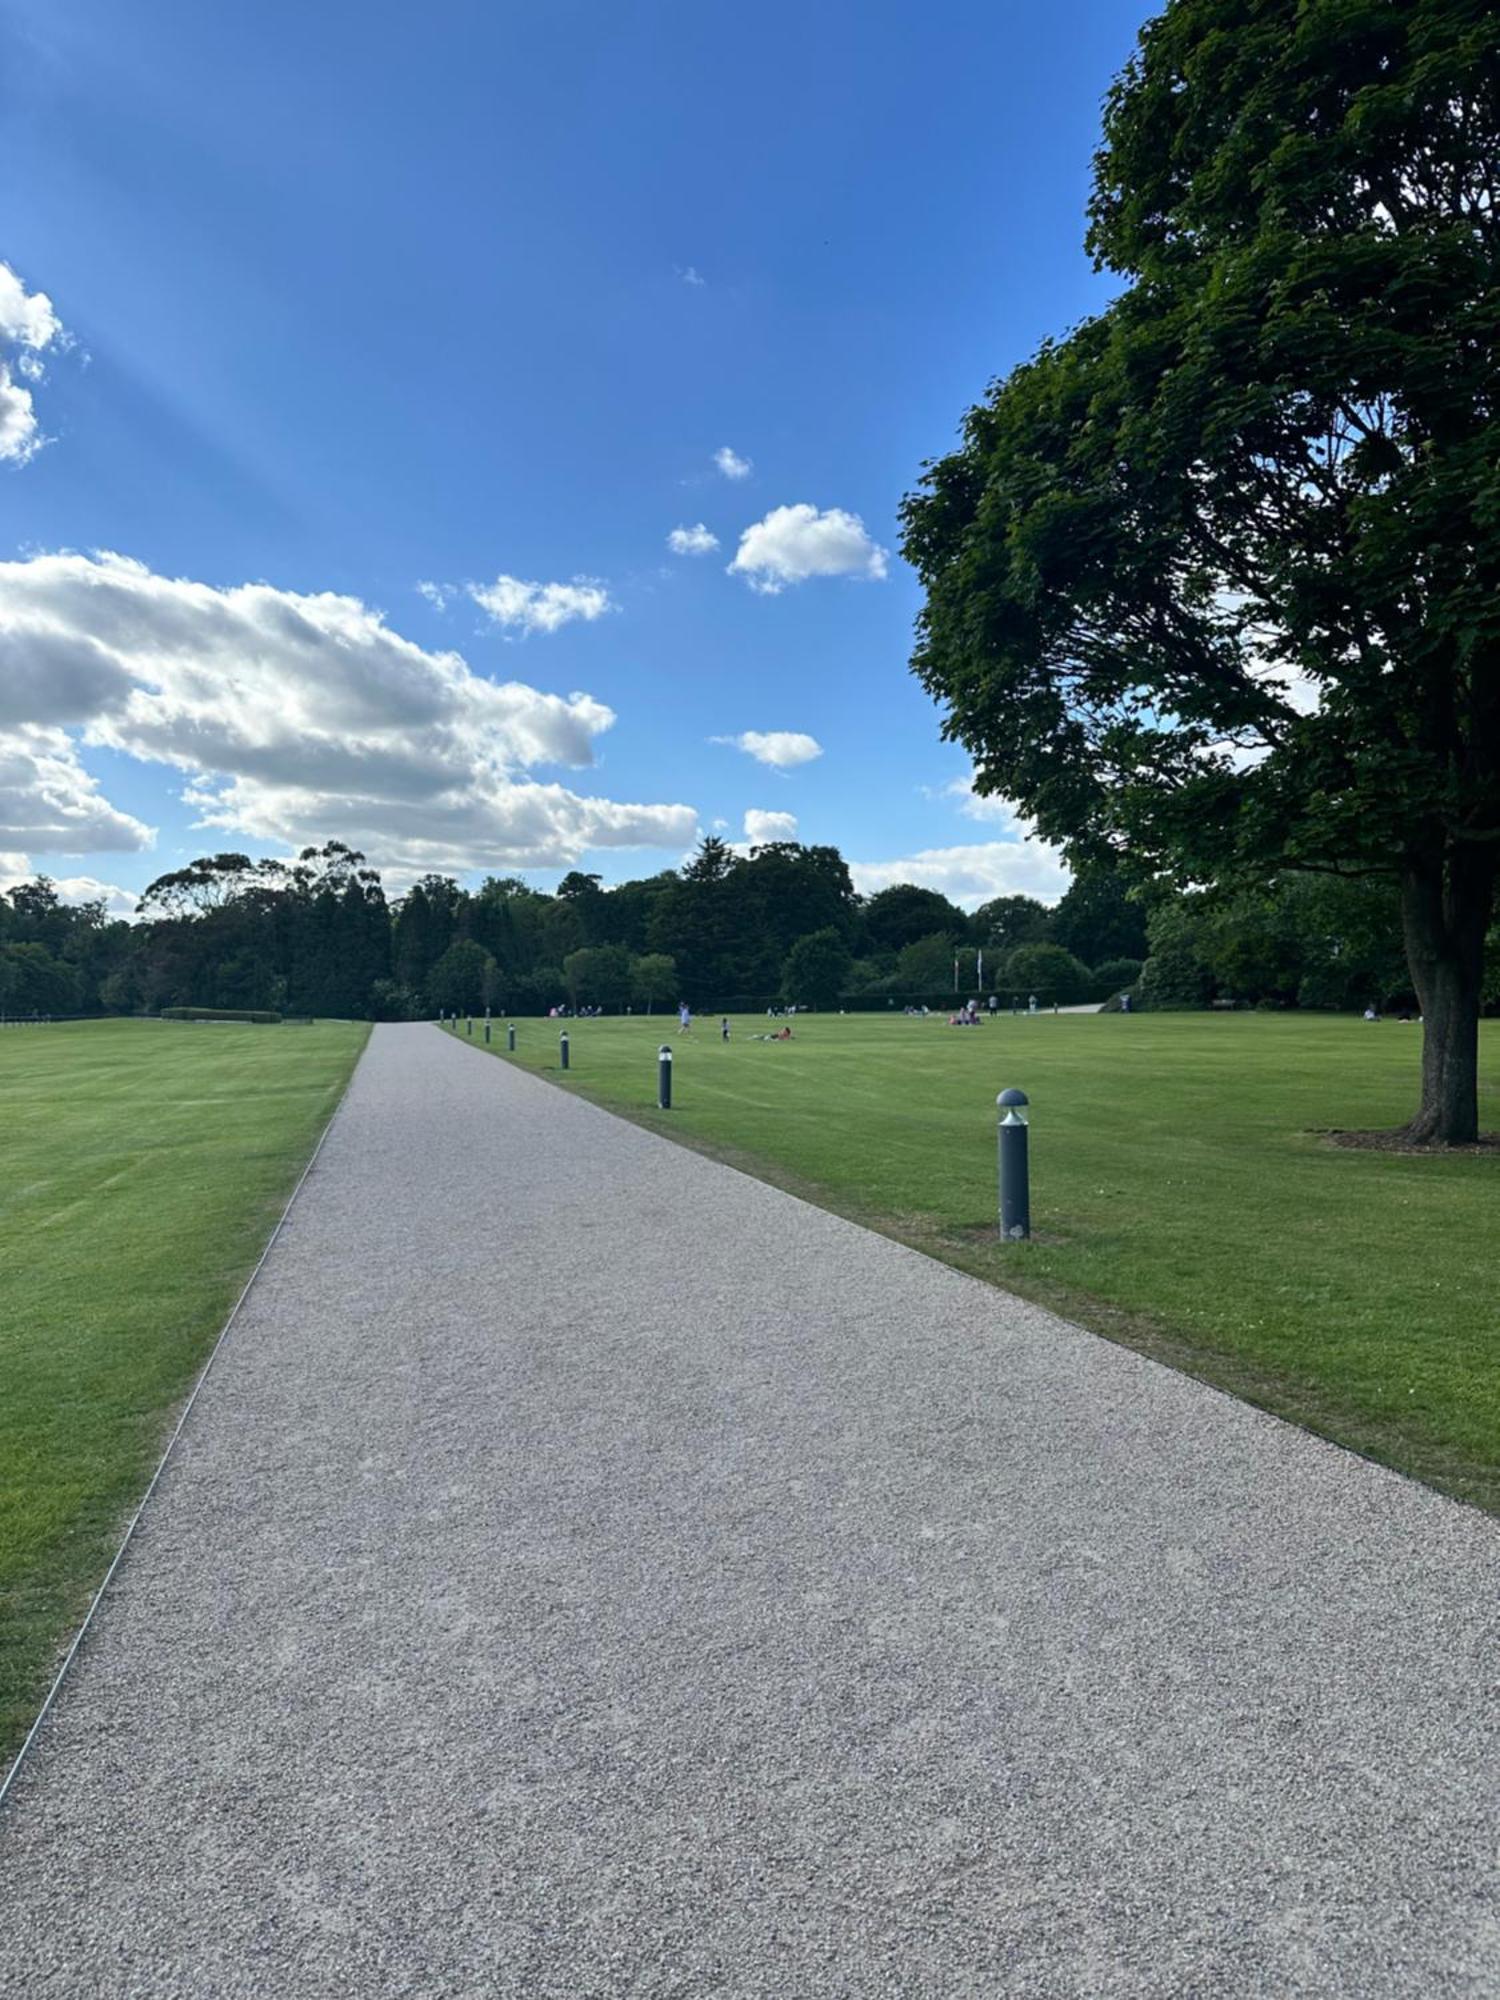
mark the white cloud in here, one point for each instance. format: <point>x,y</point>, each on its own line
<point>20,438</point>
<point>293,718</point>
<point>694,541</point>
<point>780,748</point>
<point>49,802</point>
<point>29,324</point>
<point>117,902</point>
<point>763,827</point>
<point>541,607</point>
<point>438,595</point>
<point>960,792</point>
<point>794,543</point>
<point>27,318</point>
<point>731,464</point>
<point>690,275</point>
<point>970,876</point>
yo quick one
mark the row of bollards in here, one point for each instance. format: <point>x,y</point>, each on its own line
<point>663,1066</point>
<point>1013,1138</point>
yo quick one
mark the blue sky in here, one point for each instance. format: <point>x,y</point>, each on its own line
<point>346,300</point>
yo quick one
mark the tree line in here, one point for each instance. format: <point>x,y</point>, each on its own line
<point>729,930</point>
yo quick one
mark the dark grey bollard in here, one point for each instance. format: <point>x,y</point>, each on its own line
<point>1015,1170</point>
<point>562,1048</point>
<point>470,1019</point>
<point>664,1078</point>
<point>486,1030</point>
<point>510,1037</point>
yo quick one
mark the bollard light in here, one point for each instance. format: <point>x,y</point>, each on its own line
<point>510,1036</point>
<point>470,1020</point>
<point>664,1078</point>
<point>1015,1171</point>
<point>562,1047</point>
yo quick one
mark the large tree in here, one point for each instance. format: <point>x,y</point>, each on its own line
<point>1215,580</point>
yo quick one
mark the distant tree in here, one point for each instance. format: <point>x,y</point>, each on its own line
<point>539,989</point>
<point>712,862</point>
<point>505,916</point>
<point>1177,972</point>
<point>1097,919</point>
<point>203,885</point>
<point>585,897</point>
<point>1115,975</point>
<point>1213,580</point>
<point>903,913</point>
<point>457,981</point>
<point>391,1002</point>
<point>702,923</point>
<point>789,890</point>
<point>653,980</point>
<point>624,915</point>
<point>1253,946</point>
<point>1008,921</point>
<point>32,981</point>
<point>817,969</point>
<point>426,919</point>
<point>1350,945</point>
<point>926,965</point>
<point>1048,971</point>
<point>561,929</point>
<point>598,975</point>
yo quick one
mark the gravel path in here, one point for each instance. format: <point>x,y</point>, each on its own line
<point>591,1572</point>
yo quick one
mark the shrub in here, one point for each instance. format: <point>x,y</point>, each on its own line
<point>391,1001</point>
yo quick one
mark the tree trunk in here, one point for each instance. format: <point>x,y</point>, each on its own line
<point>1445,911</point>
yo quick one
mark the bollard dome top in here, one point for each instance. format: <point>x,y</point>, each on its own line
<point>1009,1097</point>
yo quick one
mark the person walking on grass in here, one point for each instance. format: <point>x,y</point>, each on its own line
<point>685,1017</point>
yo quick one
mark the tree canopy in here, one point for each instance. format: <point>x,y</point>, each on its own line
<point>1214,581</point>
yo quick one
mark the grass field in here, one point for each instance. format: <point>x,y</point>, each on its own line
<point>1183,1197</point>
<point>143,1165</point>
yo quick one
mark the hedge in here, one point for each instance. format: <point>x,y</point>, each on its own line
<point>259,1015</point>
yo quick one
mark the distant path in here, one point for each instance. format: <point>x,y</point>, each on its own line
<point>589,1572</point>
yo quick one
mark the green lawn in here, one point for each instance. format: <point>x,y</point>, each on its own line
<point>1183,1200</point>
<point>142,1167</point>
